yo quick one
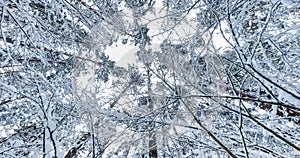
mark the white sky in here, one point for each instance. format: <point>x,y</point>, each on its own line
<point>124,54</point>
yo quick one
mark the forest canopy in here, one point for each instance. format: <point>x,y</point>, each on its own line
<point>197,78</point>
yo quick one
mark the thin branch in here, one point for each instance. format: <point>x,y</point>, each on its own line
<point>53,141</point>
<point>207,131</point>
<point>275,84</point>
<point>198,121</point>
<point>11,100</point>
<point>252,98</point>
<point>21,27</point>
<point>73,151</point>
<point>264,127</point>
<point>241,132</point>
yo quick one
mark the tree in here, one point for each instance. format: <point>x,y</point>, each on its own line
<point>234,84</point>
<point>39,55</point>
<point>62,96</point>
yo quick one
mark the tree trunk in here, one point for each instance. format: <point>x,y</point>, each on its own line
<point>152,134</point>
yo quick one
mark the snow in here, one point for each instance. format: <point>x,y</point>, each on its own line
<point>8,87</point>
<point>261,111</point>
<point>290,124</point>
<point>247,105</point>
<point>274,111</point>
<point>51,124</point>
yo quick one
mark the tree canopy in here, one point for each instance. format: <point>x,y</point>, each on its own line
<point>206,78</point>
